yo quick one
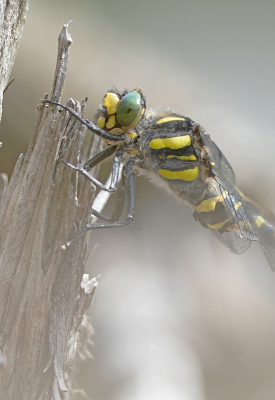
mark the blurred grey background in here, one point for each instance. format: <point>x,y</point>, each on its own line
<point>176,315</point>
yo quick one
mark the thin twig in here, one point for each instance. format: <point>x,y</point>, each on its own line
<point>6,88</point>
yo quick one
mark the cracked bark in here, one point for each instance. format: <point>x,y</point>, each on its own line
<point>44,293</point>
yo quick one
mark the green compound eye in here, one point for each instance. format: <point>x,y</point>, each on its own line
<point>129,109</point>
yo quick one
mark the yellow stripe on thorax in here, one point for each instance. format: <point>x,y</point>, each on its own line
<point>208,205</point>
<point>177,142</point>
<point>219,225</point>
<point>168,119</point>
<point>192,157</point>
<point>185,175</point>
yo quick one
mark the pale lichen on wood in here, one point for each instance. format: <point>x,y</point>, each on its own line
<point>43,294</point>
<point>12,20</point>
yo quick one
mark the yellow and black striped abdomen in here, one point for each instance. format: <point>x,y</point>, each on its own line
<point>211,210</point>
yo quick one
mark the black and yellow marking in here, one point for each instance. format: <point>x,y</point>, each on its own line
<point>173,143</point>
<point>186,158</point>
<point>185,175</point>
<point>169,119</point>
<point>219,225</point>
<point>208,204</point>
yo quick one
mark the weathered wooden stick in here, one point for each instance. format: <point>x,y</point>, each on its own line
<point>12,20</point>
<point>43,294</point>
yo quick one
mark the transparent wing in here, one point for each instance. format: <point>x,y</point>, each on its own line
<point>238,207</point>
<point>254,222</point>
<point>264,222</point>
<point>233,241</point>
<point>225,177</point>
<point>219,164</point>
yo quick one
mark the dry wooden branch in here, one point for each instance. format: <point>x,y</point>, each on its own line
<point>12,20</point>
<point>44,293</point>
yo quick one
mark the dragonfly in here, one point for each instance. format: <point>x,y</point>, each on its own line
<point>177,154</point>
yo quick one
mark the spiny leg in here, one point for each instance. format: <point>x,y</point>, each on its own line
<point>130,198</point>
<point>97,159</point>
<point>90,125</point>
